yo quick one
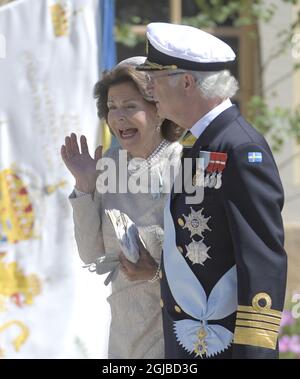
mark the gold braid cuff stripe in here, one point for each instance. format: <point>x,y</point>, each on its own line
<point>257,324</point>
<point>268,312</point>
<point>255,337</point>
<point>258,317</point>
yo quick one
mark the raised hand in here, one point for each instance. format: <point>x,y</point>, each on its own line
<point>81,165</point>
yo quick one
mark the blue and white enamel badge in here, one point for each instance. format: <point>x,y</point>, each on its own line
<point>255,157</point>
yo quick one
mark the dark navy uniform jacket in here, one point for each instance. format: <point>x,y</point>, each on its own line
<point>245,237</point>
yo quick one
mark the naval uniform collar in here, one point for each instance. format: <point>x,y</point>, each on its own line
<point>198,128</point>
<point>219,124</point>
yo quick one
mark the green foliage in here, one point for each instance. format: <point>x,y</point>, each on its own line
<point>276,123</point>
<point>212,13</point>
<point>294,124</point>
<point>239,13</point>
<point>126,36</point>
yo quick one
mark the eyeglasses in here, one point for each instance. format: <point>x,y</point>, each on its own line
<point>150,77</point>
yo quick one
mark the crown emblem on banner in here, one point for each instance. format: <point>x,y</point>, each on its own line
<point>16,210</point>
<point>60,19</point>
<point>21,289</point>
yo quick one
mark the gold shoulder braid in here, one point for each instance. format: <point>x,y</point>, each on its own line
<point>258,325</point>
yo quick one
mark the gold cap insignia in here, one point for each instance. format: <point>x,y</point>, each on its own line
<point>155,66</point>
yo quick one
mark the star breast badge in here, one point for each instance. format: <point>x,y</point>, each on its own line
<point>197,252</point>
<point>196,223</point>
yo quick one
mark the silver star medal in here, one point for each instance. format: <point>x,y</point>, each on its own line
<point>197,252</point>
<point>196,223</point>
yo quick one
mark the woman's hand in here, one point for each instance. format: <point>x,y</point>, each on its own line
<point>81,165</point>
<point>144,269</point>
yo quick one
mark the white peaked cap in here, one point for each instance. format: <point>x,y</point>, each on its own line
<point>173,46</point>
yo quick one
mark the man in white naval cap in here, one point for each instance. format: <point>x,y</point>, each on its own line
<point>223,274</point>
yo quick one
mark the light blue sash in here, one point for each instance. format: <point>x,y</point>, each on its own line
<point>189,294</point>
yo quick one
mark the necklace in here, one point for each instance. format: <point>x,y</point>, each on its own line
<point>139,165</point>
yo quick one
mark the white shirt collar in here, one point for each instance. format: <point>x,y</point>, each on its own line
<point>198,128</point>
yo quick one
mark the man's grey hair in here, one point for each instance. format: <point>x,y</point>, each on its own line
<point>216,83</point>
<point>212,84</point>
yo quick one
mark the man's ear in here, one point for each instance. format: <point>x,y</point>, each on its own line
<point>189,81</point>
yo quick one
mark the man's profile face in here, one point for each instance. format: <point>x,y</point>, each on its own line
<point>162,87</point>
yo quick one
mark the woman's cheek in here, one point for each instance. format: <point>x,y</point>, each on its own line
<point>110,118</point>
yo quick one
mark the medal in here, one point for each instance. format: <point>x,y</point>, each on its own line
<point>221,164</point>
<point>200,347</point>
<point>196,223</point>
<point>212,180</point>
<point>202,163</point>
<point>219,181</point>
<point>197,252</point>
<point>215,167</point>
<point>198,179</point>
<point>206,180</point>
<point>209,177</point>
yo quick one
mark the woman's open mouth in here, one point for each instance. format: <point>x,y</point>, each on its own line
<point>128,133</point>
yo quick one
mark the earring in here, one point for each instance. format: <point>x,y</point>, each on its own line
<point>159,123</point>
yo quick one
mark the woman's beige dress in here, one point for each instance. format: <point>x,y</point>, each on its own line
<point>136,320</point>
